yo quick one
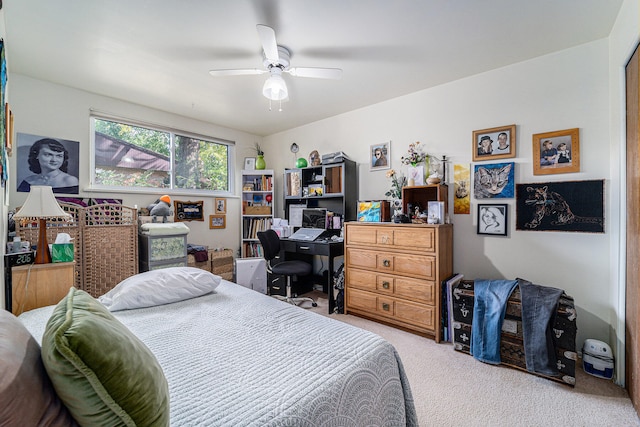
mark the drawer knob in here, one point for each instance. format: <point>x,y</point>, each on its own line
<point>385,306</point>
<point>386,263</point>
<point>385,284</point>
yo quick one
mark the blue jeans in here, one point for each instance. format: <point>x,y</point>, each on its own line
<point>490,304</point>
<point>539,307</point>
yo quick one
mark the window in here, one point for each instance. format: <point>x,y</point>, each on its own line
<point>127,155</point>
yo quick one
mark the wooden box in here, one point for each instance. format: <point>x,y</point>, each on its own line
<point>511,339</point>
<point>420,195</point>
<point>257,210</point>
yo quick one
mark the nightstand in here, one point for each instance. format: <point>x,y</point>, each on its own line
<point>39,285</point>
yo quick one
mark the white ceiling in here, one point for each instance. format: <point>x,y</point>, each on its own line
<point>158,53</point>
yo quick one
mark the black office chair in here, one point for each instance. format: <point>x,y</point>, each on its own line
<point>271,247</point>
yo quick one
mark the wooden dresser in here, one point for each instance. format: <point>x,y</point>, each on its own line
<point>393,273</point>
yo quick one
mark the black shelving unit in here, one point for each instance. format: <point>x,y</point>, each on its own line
<point>333,186</point>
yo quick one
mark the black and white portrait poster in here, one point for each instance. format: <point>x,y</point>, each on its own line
<point>47,161</point>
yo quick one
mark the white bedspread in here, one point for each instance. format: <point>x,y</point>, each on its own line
<point>240,358</point>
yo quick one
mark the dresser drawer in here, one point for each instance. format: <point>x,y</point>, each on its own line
<point>415,239</point>
<point>415,314</point>
<point>418,290</point>
<point>408,313</point>
<point>413,265</point>
<point>361,300</point>
<point>422,240</point>
<point>422,266</point>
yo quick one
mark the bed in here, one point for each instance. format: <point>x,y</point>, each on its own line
<point>235,357</point>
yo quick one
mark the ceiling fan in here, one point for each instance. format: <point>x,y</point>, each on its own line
<point>276,61</point>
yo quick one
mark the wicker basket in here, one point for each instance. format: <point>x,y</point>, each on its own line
<point>191,262</point>
<point>222,263</point>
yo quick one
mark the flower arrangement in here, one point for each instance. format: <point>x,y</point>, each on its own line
<point>258,150</point>
<point>414,155</point>
<point>397,182</point>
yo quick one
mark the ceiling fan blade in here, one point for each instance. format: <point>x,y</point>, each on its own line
<point>318,73</point>
<point>269,44</point>
<point>238,72</point>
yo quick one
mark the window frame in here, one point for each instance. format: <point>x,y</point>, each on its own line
<point>231,150</point>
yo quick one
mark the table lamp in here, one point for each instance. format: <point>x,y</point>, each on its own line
<point>41,205</point>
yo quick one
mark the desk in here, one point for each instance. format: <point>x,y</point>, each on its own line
<point>330,249</point>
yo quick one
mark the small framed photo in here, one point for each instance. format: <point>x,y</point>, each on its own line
<point>217,221</point>
<point>380,155</point>
<point>435,212</point>
<point>494,143</point>
<point>221,206</point>
<point>492,219</point>
<point>416,173</point>
<point>249,163</point>
<point>556,152</point>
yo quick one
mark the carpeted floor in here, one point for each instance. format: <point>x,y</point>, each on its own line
<point>453,389</point>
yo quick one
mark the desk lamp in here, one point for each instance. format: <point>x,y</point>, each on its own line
<point>41,205</point>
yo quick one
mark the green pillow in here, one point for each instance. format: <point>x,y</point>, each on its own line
<point>102,372</point>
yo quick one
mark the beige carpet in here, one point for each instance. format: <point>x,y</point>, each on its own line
<point>453,389</point>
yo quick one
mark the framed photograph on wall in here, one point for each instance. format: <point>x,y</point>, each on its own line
<point>561,206</point>
<point>61,173</point>
<point>494,181</point>
<point>494,143</point>
<point>220,206</point>
<point>217,221</point>
<point>556,152</point>
<point>380,155</point>
<point>492,219</point>
<point>188,211</point>
<point>249,163</point>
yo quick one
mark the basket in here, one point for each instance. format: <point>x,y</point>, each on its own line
<point>222,263</point>
<point>191,262</point>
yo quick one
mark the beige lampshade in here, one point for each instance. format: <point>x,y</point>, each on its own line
<point>41,203</point>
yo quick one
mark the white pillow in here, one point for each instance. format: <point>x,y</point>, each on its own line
<point>159,287</point>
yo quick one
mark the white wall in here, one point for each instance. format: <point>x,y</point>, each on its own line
<point>568,89</point>
<point>46,109</point>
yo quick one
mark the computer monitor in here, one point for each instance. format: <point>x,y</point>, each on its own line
<point>314,218</point>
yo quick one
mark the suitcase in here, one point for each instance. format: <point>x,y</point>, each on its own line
<point>511,340</point>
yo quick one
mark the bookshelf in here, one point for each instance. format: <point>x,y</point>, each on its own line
<point>257,209</point>
<point>332,186</point>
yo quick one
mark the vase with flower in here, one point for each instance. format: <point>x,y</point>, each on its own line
<point>395,192</point>
<point>415,159</point>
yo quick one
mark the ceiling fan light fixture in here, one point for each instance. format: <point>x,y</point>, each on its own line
<point>275,88</point>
